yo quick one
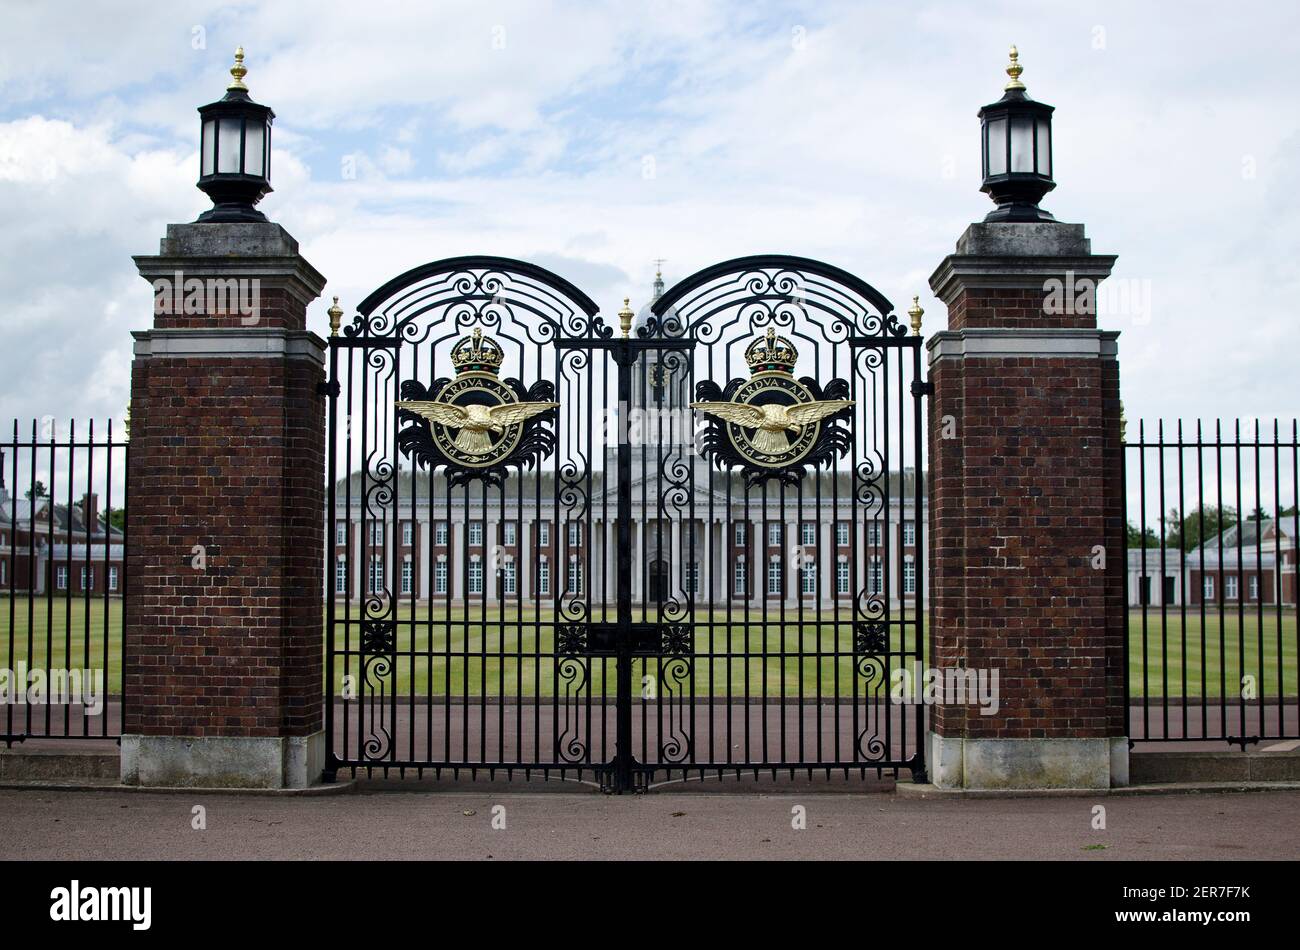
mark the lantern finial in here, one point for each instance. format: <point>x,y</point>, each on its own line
<point>915,312</point>
<point>239,71</point>
<point>1014,69</point>
<point>625,316</point>
<point>336,317</point>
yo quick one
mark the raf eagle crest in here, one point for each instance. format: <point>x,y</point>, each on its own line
<point>476,425</point>
<point>773,425</point>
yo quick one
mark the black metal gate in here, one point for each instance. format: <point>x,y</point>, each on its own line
<point>689,545</point>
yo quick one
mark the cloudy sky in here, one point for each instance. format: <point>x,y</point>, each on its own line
<point>593,138</point>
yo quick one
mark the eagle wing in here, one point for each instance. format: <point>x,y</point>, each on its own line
<point>751,417</point>
<point>441,412</point>
<point>508,413</point>
<point>806,413</point>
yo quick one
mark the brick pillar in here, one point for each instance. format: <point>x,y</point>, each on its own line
<point>225,483</point>
<point>1026,490</point>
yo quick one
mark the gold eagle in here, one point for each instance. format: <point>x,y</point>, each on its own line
<point>771,420</point>
<point>475,421</point>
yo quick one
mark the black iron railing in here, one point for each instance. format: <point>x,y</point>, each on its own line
<point>1210,569</point>
<point>62,581</point>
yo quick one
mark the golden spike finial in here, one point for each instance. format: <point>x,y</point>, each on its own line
<point>915,312</point>
<point>336,317</point>
<point>239,71</point>
<point>1014,69</point>
<point>625,317</point>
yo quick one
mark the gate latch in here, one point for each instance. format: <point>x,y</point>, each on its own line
<point>328,388</point>
<point>922,388</point>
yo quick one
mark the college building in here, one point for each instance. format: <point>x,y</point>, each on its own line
<point>1252,562</point>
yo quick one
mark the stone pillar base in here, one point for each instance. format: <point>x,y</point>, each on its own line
<point>223,761</point>
<point>1028,763</point>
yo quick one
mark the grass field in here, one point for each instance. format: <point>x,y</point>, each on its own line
<point>440,644</point>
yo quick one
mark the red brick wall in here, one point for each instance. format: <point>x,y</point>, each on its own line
<point>228,453</point>
<point>1018,500</point>
<point>977,307</point>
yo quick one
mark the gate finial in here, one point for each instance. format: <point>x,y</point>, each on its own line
<point>336,317</point>
<point>1014,69</point>
<point>915,312</point>
<point>239,71</point>
<point>625,317</point>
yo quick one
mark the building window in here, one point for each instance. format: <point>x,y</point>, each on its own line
<point>808,535</point>
<point>909,576</point>
<point>543,533</point>
<point>873,534</point>
<point>440,577</point>
<point>876,577</point>
<point>476,534</point>
<point>340,575</point>
<point>808,578</point>
<point>376,575</point>
<point>408,532</point>
<point>508,533</point>
<point>1208,588</point>
<point>340,532</point>
<point>774,576</point>
<point>543,577</point>
<point>740,534</point>
<point>61,577</point>
<point>87,578</point>
<point>909,533</point>
<point>842,533</point>
<point>112,578</point>
<point>575,533</point>
<point>508,577</point>
<point>575,577</point>
<point>692,579</point>
<point>1254,586</point>
<point>376,532</point>
<point>774,534</point>
<point>440,534</point>
<point>4,566</point>
<point>476,577</point>
<point>407,571</point>
<point>1230,587</point>
<point>741,575</point>
<point>842,577</point>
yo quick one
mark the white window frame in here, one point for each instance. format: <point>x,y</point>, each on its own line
<point>508,533</point>
<point>376,573</point>
<point>476,534</point>
<point>376,533</point>
<point>1207,587</point>
<point>575,577</point>
<point>808,578</point>
<point>475,577</point>
<point>774,534</point>
<point>842,534</point>
<point>1252,585</point>
<point>873,534</point>
<point>808,534</point>
<point>909,534</point>
<point>340,532</point>
<point>440,533</point>
<point>60,577</point>
<point>83,577</point>
<point>876,576</point>
<point>575,533</point>
<point>341,574</point>
<point>544,578</point>
<point>408,533</point>
<point>508,584</point>
<point>909,576</point>
<point>440,577</point>
<point>408,575</point>
<point>774,577</point>
<point>1230,587</point>
<point>543,533</point>
<point>842,577</point>
<point>740,578</point>
<point>692,579</point>
<point>739,534</point>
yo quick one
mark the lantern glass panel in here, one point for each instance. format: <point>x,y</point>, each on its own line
<point>997,147</point>
<point>1022,144</point>
<point>228,147</point>
<point>209,145</point>
<point>1044,148</point>
<point>253,149</point>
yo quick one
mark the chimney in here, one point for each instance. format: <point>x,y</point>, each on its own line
<point>90,511</point>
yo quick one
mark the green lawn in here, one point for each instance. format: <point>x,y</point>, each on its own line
<point>521,671</point>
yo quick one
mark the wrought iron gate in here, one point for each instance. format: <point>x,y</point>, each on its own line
<point>688,546</point>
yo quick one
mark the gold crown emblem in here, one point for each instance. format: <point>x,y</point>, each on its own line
<point>771,354</point>
<point>477,353</point>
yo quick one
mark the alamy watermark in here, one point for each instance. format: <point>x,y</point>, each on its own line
<point>1129,298</point>
<point>947,686</point>
<point>213,296</point>
<point>23,686</point>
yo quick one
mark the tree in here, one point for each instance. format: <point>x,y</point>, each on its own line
<point>1186,533</point>
<point>1136,539</point>
<point>37,491</point>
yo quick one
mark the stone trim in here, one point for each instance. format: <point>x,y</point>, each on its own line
<point>219,343</point>
<point>223,761</point>
<point>998,343</point>
<point>1028,763</point>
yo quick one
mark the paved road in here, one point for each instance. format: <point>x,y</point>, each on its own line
<point>560,823</point>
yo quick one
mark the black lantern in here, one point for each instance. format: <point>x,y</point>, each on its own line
<point>235,152</point>
<point>1016,138</point>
